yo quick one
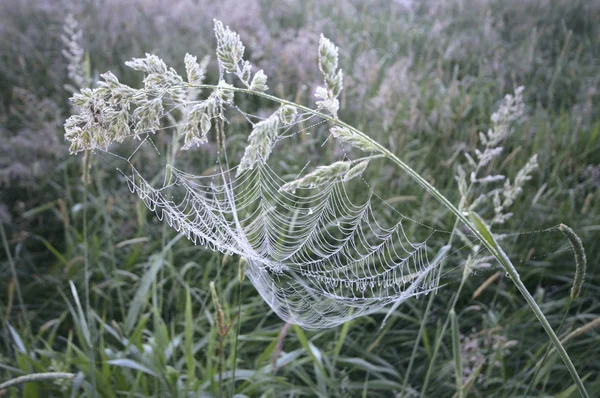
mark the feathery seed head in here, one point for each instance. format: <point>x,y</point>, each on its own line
<point>243,263</point>
<point>195,71</point>
<point>345,135</point>
<point>260,143</point>
<point>287,114</point>
<point>75,53</point>
<point>328,57</point>
<point>150,64</point>
<point>259,82</point>
<point>321,176</point>
<point>230,50</point>
<point>356,170</point>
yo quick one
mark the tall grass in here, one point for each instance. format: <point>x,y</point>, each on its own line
<point>427,83</point>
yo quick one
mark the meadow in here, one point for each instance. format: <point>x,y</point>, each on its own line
<point>96,290</point>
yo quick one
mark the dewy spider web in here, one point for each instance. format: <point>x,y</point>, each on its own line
<point>315,257</point>
<point>322,247</point>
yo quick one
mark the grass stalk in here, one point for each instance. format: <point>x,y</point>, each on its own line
<point>86,265</point>
<point>108,228</point>
<point>413,354</point>
<point>13,271</point>
<point>430,303</point>
<point>34,377</point>
<point>538,365</point>
<point>456,352</point>
<point>438,340</point>
<point>237,335</point>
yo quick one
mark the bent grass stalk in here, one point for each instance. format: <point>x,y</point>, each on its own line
<point>473,222</point>
<point>34,378</point>
<point>580,268</point>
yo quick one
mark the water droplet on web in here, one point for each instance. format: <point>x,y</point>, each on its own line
<point>310,211</point>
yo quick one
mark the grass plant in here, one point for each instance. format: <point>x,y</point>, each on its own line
<point>99,299</point>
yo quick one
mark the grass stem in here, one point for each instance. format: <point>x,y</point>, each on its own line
<point>456,352</point>
<point>13,271</point>
<point>34,377</point>
<point>86,264</point>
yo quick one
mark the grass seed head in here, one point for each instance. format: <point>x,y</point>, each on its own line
<point>580,259</point>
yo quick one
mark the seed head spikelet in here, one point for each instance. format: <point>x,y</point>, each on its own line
<point>580,259</point>
<point>345,135</point>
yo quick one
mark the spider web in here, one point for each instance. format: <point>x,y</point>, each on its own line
<point>322,244</point>
<point>318,256</point>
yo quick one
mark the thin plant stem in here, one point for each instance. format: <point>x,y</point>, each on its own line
<point>220,365</point>
<point>416,346</point>
<point>237,334</point>
<point>456,353</point>
<point>538,366</point>
<point>35,377</point>
<point>108,228</point>
<point>424,322</point>
<point>13,270</point>
<point>86,265</point>
<point>438,341</point>
<point>430,303</point>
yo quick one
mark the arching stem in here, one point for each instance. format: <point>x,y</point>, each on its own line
<point>480,231</point>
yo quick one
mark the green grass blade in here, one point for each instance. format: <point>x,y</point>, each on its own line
<point>457,353</point>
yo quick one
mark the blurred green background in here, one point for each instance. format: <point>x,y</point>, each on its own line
<point>422,78</point>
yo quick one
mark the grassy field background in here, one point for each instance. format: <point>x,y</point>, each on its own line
<point>422,78</point>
